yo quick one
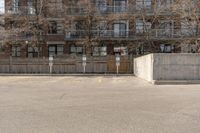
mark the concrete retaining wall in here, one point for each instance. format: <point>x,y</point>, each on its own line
<point>155,67</point>
<point>143,67</point>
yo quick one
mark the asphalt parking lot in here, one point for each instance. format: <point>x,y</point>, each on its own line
<point>96,105</point>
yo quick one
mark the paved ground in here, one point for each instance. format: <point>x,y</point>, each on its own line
<point>96,105</point>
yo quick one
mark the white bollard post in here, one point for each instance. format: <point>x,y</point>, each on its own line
<point>84,62</point>
<point>117,69</point>
<point>117,59</point>
<point>50,64</point>
<point>84,68</point>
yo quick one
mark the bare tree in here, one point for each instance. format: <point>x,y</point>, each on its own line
<point>189,19</point>
<point>95,19</point>
<point>28,24</point>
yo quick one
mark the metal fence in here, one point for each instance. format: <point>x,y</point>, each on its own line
<point>66,65</point>
<point>129,34</point>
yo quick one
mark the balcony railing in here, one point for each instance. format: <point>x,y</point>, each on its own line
<point>80,10</point>
<point>31,11</point>
<point>130,9</point>
<point>111,34</point>
<point>97,10</point>
<point>20,10</point>
<point>159,34</point>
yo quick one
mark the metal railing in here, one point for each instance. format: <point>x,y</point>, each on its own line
<point>31,11</point>
<point>101,10</point>
<point>20,10</point>
<point>153,33</point>
<point>98,10</point>
<point>115,34</point>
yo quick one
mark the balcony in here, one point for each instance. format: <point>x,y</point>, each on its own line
<point>80,10</point>
<point>97,10</point>
<point>20,11</point>
<point>31,11</point>
<point>130,9</point>
<point>54,37</point>
<point>20,37</point>
<point>76,11</point>
<point>153,34</point>
<point>157,34</point>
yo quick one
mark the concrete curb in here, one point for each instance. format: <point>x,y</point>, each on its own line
<point>83,75</point>
<point>175,82</point>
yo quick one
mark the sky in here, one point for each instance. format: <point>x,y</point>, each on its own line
<point>1,6</point>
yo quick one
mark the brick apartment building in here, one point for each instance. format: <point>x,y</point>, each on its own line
<point>98,28</point>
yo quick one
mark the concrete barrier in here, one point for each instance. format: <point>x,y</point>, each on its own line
<point>162,68</point>
<point>143,67</point>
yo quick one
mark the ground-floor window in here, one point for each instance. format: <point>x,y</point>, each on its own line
<point>56,50</point>
<point>16,51</point>
<point>121,50</point>
<point>189,48</point>
<point>78,50</point>
<point>166,48</point>
<point>1,46</point>
<point>100,51</point>
<point>33,52</point>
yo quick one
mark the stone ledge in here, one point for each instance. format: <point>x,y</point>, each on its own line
<point>175,82</point>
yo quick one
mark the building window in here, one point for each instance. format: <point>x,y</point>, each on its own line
<point>56,50</point>
<point>165,2</point>
<point>101,5</point>
<point>120,29</point>
<point>16,51</point>
<point>102,27</point>
<point>53,27</point>
<point>78,50</point>
<point>166,48</point>
<point>120,5</point>
<point>143,4</point>
<point>166,28</point>
<point>1,47</point>
<point>121,50</point>
<point>33,52</point>
<point>189,28</point>
<point>139,27</point>
<point>142,27</point>
<point>15,5</point>
<point>56,27</point>
<point>31,8</point>
<point>100,51</point>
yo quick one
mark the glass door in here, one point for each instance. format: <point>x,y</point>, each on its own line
<point>119,30</point>
<point>120,5</point>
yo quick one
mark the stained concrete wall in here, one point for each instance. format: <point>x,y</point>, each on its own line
<point>176,66</point>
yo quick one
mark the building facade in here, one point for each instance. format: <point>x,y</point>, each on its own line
<point>40,28</point>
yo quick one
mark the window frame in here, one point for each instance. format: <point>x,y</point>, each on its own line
<point>122,50</point>
<point>53,27</point>
<point>56,52</point>
<point>34,52</point>
<point>120,5</point>
<point>143,4</point>
<point>16,51</point>
<point>78,50</point>
<point>142,27</point>
<point>99,51</point>
<point>121,32</point>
